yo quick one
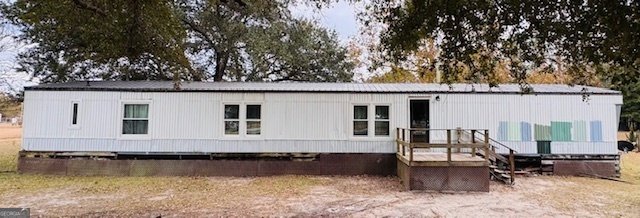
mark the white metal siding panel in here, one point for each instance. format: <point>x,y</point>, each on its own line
<point>186,116</point>
<point>521,147</point>
<point>485,111</point>
<point>213,146</point>
<point>308,122</point>
<point>312,116</point>
<point>584,148</point>
<point>48,114</point>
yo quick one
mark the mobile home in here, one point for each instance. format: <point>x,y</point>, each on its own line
<point>350,124</point>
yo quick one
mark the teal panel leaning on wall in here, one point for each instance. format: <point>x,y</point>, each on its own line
<point>561,131</point>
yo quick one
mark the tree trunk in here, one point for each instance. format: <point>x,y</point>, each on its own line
<point>132,39</point>
<point>221,65</point>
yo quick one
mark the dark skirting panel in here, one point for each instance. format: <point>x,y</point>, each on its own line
<point>324,164</point>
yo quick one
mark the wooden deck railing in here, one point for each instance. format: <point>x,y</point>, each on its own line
<point>408,140</point>
<point>454,141</point>
<point>510,161</point>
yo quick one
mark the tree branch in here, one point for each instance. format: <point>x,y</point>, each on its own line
<point>87,6</point>
<point>197,29</point>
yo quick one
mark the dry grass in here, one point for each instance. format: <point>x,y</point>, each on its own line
<point>611,198</point>
<point>284,195</point>
<point>9,155</point>
<point>7,131</point>
<point>9,146</point>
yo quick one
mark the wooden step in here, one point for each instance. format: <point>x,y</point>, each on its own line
<point>500,171</point>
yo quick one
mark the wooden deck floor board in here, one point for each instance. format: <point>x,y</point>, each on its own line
<point>440,159</point>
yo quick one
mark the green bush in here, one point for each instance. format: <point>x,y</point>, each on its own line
<point>632,136</point>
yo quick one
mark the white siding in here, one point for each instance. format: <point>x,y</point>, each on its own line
<point>485,111</point>
<point>291,121</point>
<point>193,122</point>
<point>210,146</point>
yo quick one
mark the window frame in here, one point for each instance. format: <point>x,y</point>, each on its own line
<point>242,119</point>
<point>149,120</point>
<point>353,120</point>
<point>388,120</point>
<point>246,120</point>
<point>239,119</point>
<point>77,115</point>
<point>371,112</point>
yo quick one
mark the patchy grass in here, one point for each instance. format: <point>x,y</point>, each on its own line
<point>157,193</point>
<point>9,147</point>
<point>603,196</point>
<point>291,195</point>
<point>9,155</point>
<point>8,131</point>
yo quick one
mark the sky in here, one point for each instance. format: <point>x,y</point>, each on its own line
<point>340,16</point>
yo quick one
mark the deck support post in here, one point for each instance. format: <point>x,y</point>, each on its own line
<point>403,139</point>
<point>473,141</point>
<point>410,153</point>
<point>486,142</point>
<point>397,139</point>
<point>512,167</point>
<point>448,143</point>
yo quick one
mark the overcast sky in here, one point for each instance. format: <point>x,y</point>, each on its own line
<point>340,17</point>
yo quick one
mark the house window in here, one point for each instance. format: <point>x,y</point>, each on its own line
<point>136,119</point>
<point>232,119</point>
<point>382,121</point>
<point>74,114</point>
<point>360,121</point>
<point>371,120</point>
<point>253,119</point>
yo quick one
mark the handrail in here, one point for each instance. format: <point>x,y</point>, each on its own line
<point>510,161</point>
<point>403,142</point>
<point>406,144</point>
<point>496,142</point>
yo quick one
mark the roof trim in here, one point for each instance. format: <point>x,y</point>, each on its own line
<point>387,88</point>
<point>305,91</point>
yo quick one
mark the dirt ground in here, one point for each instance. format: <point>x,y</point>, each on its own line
<point>309,196</point>
<point>7,131</point>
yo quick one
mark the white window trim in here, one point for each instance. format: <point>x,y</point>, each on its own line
<point>244,130</point>
<point>70,119</point>
<point>224,134</point>
<point>373,121</point>
<point>352,120</point>
<point>149,118</point>
<point>371,112</point>
<point>242,118</point>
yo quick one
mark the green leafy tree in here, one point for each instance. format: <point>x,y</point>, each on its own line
<point>573,42</point>
<point>627,80</point>
<point>213,40</point>
<point>529,34</point>
<point>632,136</point>
<point>297,50</point>
<point>82,39</point>
<point>260,41</point>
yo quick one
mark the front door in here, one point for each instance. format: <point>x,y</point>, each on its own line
<point>419,118</point>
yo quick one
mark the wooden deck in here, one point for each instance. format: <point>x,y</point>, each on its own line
<point>444,159</point>
<point>411,154</point>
